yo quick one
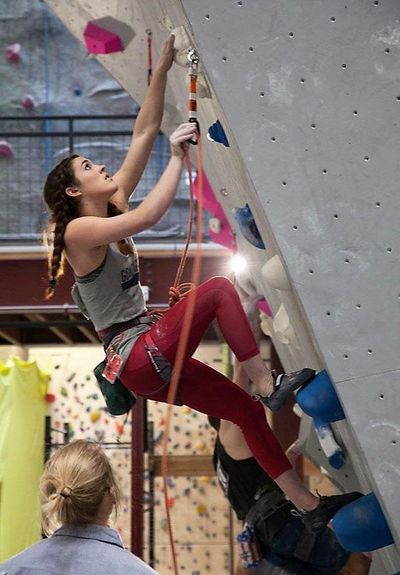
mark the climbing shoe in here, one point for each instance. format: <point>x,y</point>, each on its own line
<point>284,385</point>
<point>315,520</point>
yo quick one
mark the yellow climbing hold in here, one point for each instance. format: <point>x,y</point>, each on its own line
<point>95,416</point>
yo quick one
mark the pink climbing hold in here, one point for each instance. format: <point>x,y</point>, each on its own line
<point>6,150</point>
<point>13,53</point>
<point>98,40</point>
<point>219,229</point>
<point>28,102</point>
<point>263,306</point>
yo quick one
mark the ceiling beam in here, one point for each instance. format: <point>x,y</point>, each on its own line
<point>86,331</point>
<point>9,336</point>
<point>60,333</point>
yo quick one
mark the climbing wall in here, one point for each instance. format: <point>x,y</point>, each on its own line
<point>307,95</point>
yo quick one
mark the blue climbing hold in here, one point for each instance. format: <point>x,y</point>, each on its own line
<point>361,525</point>
<point>216,133</point>
<point>319,399</point>
<point>248,226</point>
<point>333,451</point>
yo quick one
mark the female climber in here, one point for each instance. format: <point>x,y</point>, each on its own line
<point>90,226</point>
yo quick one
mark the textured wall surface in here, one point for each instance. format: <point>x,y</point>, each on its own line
<point>310,90</point>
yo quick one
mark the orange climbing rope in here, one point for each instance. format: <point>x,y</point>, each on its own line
<point>183,340</point>
<point>179,290</point>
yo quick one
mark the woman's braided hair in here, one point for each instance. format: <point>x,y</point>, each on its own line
<point>63,209</point>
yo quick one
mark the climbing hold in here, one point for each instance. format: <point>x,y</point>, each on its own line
<point>248,226</point>
<point>220,232</point>
<point>201,509</point>
<point>119,428</point>
<point>13,53</point>
<point>98,40</point>
<point>182,46</point>
<point>95,416</point>
<point>78,91</point>
<point>283,328</point>
<point>64,391</point>
<point>6,150</point>
<point>361,525</point>
<point>275,275</point>
<point>50,397</point>
<point>319,399</point>
<point>263,306</point>
<point>214,225</point>
<point>329,445</point>
<point>216,133</point>
<point>28,102</point>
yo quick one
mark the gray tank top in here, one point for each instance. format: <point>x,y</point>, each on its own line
<point>112,294</point>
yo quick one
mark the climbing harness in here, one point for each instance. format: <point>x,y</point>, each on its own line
<point>193,73</point>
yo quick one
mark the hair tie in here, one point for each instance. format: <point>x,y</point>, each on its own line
<point>65,492</point>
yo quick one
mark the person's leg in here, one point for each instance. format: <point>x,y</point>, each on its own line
<point>225,400</point>
<point>218,299</point>
<point>327,555</point>
<point>220,398</point>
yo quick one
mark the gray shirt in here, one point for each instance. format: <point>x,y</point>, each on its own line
<point>77,550</point>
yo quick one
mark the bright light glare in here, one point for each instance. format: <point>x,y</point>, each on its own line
<point>238,264</point>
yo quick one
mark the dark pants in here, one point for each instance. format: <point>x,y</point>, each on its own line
<point>327,556</point>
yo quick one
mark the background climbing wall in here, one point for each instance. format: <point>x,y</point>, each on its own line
<point>199,511</point>
<point>307,94</point>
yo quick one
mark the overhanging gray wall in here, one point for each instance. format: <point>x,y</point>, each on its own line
<point>312,95</point>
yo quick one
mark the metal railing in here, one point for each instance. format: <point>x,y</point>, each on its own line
<point>29,148</point>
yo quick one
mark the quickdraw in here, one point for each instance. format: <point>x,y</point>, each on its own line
<point>193,73</point>
<point>149,57</point>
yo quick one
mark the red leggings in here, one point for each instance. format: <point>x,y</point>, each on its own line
<point>201,387</point>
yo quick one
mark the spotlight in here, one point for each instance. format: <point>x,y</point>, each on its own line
<point>238,264</point>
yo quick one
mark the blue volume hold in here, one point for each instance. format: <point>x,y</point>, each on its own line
<point>319,399</point>
<point>216,133</point>
<point>361,525</point>
<point>248,226</point>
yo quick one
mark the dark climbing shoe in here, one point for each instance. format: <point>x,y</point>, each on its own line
<point>315,520</point>
<point>284,385</point>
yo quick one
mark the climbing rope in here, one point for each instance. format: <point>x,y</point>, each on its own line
<point>178,290</point>
<point>183,340</point>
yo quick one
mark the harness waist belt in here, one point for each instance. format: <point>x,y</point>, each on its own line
<point>107,334</point>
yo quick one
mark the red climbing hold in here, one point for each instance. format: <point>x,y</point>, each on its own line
<point>98,40</point>
<point>28,102</point>
<point>5,150</point>
<point>13,53</point>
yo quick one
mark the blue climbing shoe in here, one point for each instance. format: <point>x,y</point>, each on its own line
<point>284,385</point>
<point>317,519</point>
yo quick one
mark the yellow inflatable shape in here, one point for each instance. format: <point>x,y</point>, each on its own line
<point>23,388</point>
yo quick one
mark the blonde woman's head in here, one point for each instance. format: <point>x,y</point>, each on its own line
<point>77,486</point>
